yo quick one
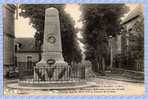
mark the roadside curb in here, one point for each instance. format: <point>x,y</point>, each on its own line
<point>16,86</point>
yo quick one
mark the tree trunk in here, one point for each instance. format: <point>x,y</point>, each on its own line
<point>95,66</point>
<point>101,65</point>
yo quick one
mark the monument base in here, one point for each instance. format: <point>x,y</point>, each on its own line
<point>56,72</point>
<point>44,63</point>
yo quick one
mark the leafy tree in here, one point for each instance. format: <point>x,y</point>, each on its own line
<point>36,13</point>
<point>100,21</point>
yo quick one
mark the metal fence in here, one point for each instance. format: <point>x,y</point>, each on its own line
<point>78,71</point>
<point>50,73</point>
<point>25,69</point>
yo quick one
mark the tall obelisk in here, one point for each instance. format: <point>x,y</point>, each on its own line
<point>52,46</point>
<point>52,65</point>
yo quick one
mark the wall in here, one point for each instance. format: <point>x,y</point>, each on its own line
<point>8,28</point>
<point>22,57</point>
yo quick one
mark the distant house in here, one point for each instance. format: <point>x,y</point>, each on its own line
<point>133,39</point>
<point>8,32</point>
<point>26,50</point>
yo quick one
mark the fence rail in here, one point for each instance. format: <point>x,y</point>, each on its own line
<point>25,69</point>
<point>50,73</point>
<point>54,73</point>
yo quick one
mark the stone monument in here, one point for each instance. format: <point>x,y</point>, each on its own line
<point>52,48</point>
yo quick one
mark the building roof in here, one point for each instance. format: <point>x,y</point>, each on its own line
<point>138,11</point>
<point>26,44</point>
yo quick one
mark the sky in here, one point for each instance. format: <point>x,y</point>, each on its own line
<point>24,29</point>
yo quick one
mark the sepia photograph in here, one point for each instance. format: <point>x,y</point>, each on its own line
<point>73,49</point>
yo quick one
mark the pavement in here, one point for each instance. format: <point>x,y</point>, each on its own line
<point>100,87</point>
<point>113,83</point>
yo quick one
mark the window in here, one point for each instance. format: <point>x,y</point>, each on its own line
<point>29,58</point>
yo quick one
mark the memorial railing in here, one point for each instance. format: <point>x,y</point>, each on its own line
<point>27,71</point>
